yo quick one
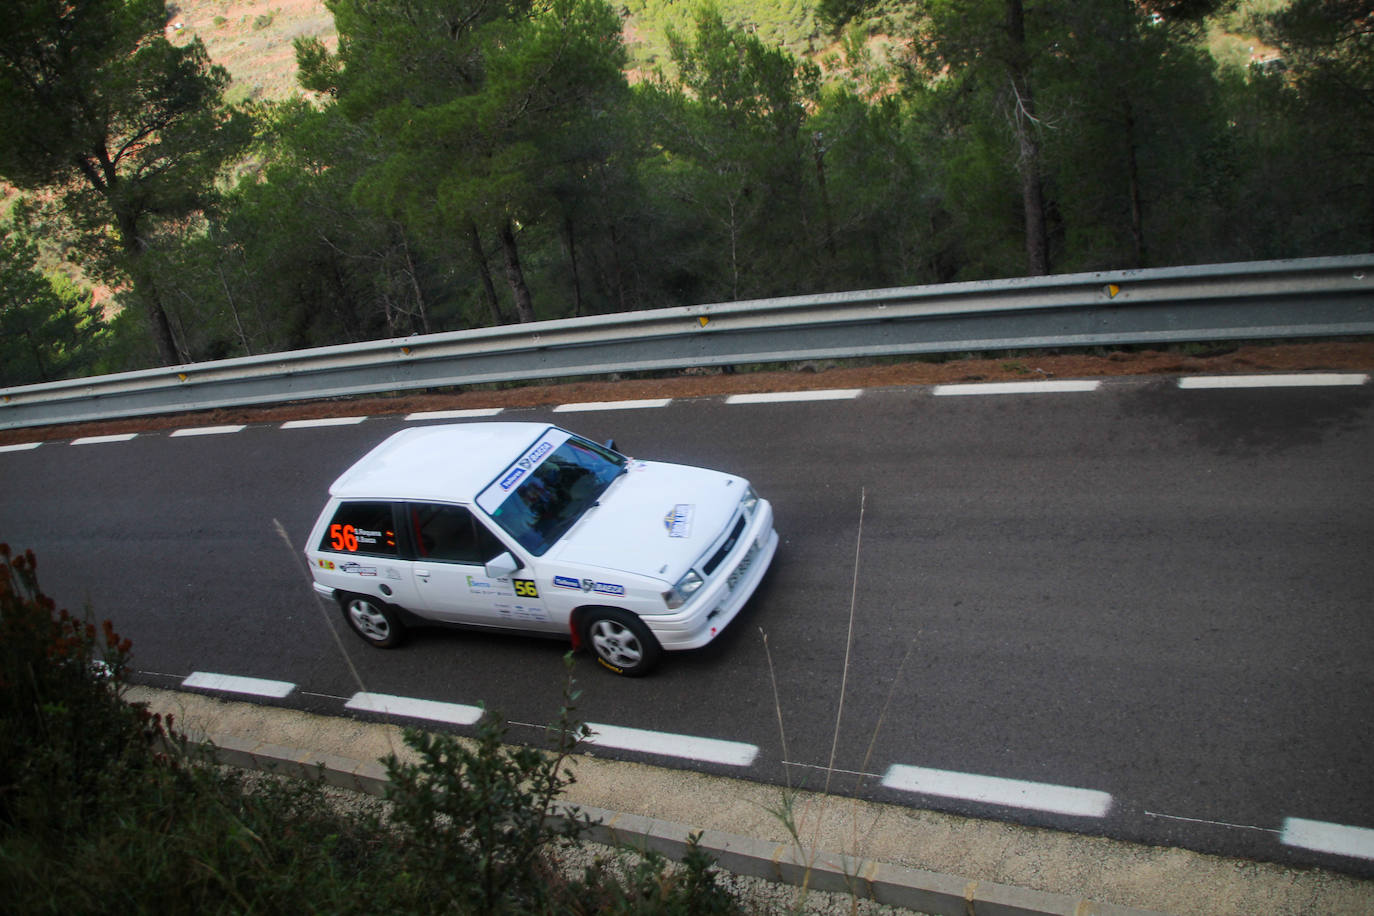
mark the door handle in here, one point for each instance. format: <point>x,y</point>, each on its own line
<point>422,573</point>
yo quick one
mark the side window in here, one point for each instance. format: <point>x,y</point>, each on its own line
<point>451,533</point>
<point>361,528</point>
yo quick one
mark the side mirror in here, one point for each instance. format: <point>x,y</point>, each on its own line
<point>502,566</point>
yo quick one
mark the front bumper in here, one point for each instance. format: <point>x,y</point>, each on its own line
<point>716,604</point>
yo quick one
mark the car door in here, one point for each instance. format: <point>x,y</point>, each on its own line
<point>452,547</point>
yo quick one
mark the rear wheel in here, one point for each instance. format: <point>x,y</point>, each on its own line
<point>373,620</point>
<point>621,641</point>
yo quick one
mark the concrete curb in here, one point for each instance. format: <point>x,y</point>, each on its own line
<point>896,885</point>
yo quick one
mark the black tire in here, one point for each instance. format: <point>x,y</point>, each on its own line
<point>374,620</point>
<point>620,641</point>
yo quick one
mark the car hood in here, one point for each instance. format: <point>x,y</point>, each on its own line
<point>655,520</point>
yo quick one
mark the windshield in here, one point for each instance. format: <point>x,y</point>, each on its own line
<point>555,494</point>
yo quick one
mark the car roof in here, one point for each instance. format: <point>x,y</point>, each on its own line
<point>447,463</point>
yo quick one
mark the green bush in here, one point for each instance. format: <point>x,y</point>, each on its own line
<point>104,808</point>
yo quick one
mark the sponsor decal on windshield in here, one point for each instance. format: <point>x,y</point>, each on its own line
<point>679,521</point>
<point>526,464</point>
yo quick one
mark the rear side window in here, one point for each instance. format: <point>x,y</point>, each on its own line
<point>451,533</point>
<point>362,528</point>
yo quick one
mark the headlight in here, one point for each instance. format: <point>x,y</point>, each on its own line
<point>677,596</point>
<point>749,502</point>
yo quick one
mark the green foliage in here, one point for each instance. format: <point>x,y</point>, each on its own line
<point>49,328</point>
<point>128,126</point>
<point>476,819</point>
<point>103,808</point>
<point>648,886</point>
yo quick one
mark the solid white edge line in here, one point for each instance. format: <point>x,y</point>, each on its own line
<point>208,431</point>
<point>20,448</point>
<point>93,440</point>
<point>710,750</point>
<point>1356,842</point>
<point>412,708</point>
<point>454,414</point>
<point>613,405</point>
<point>995,790</point>
<point>1306,380</point>
<point>778,397</point>
<point>325,421</point>
<point>1041,387</point>
<point>234,684</point>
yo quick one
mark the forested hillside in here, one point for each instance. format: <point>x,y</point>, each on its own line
<point>443,164</point>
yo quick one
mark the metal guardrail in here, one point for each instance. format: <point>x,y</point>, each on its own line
<point>1313,297</point>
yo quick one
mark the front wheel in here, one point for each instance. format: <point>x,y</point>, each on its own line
<point>621,641</point>
<point>373,620</point>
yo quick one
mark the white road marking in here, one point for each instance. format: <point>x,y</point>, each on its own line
<point>994,790</point>
<point>1305,380</point>
<point>1042,387</point>
<point>454,414</point>
<point>778,397</point>
<point>92,440</point>
<point>613,405</point>
<point>209,431</point>
<point>233,684</point>
<point>433,710</point>
<point>19,448</point>
<point>1357,842</point>
<point>325,421</point>
<point>711,750</point>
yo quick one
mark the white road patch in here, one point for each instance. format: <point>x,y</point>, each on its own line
<point>779,397</point>
<point>454,414</point>
<point>230,683</point>
<point>411,708</point>
<point>613,405</point>
<point>710,750</point>
<point>324,421</point>
<point>209,431</point>
<point>94,440</point>
<point>994,790</point>
<point>1304,380</point>
<point>1356,842</point>
<point>20,448</point>
<point>1065,386</point>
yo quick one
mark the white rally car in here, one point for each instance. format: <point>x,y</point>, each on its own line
<point>523,526</point>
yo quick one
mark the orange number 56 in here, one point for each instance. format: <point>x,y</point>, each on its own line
<point>342,537</point>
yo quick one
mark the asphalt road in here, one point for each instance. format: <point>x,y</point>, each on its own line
<point>1162,598</point>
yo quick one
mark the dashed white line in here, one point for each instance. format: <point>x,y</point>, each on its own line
<point>454,414</point>
<point>1305,380</point>
<point>1043,387</point>
<point>93,440</point>
<point>209,431</point>
<point>995,790</point>
<point>433,710</point>
<point>613,405</point>
<point>1356,842</point>
<point>20,448</point>
<point>230,683</point>
<point>710,750</point>
<point>325,421</point>
<point>778,397</point>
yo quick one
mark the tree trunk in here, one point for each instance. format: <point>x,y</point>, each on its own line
<point>145,290</point>
<point>1133,180</point>
<point>484,271</point>
<point>1028,145</point>
<point>524,305</point>
<point>571,233</point>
